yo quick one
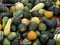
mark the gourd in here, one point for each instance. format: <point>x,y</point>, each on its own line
<point>35,19</point>
<point>41,12</point>
<point>1,36</point>
<point>19,6</point>
<point>48,14</point>
<point>25,2</point>
<point>38,33</point>
<point>12,36</point>
<point>0,27</point>
<point>36,42</point>
<point>57,30</point>
<point>6,42</point>
<point>33,26</point>
<point>42,27</point>
<point>57,2</point>
<point>57,39</point>
<point>51,42</point>
<point>31,35</point>
<point>25,21</point>
<point>7,27</point>
<point>26,42</point>
<point>37,7</point>
<point>15,42</point>
<point>22,27</point>
<point>4,20</point>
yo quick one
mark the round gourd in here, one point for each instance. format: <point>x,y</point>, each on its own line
<point>25,21</point>
<point>42,27</point>
<point>35,19</point>
<point>1,36</point>
<point>38,33</point>
<point>31,35</point>
<point>48,14</point>
<point>41,12</point>
<point>33,26</point>
<point>22,27</point>
<point>0,27</point>
<point>12,36</point>
<point>19,6</point>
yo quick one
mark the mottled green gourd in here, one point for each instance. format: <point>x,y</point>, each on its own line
<point>38,33</point>
<point>12,36</point>
<point>4,20</point>
<point>26,42</point>
<point>25,2</point>
<point>1,36</point>
<point>6,42</point>
<point>42,27</point>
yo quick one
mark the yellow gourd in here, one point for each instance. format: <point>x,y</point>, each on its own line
<point>7,27</point>
<point>57,2</point>
<point>37,7</point>
<point>0,27</point>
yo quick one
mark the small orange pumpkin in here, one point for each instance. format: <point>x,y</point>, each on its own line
<point>32,35</point>
<point>48,14</point>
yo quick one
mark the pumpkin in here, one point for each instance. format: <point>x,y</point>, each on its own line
<point>31,35</point>
<point>25,21</point>
<point>48,14</point>
<point>35,19</point>
<point>0,27</point>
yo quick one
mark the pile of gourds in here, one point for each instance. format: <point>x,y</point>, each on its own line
<point>29,22</point>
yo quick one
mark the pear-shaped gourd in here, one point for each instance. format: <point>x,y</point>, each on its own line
<point>37,7</point>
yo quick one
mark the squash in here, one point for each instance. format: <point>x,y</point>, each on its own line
<point>44,38</point>
<point>57,39</point>
<point>58,2</point>
<point>42,27</point>
<point>57,30</point>
<point>12,36</point>
<point>33,26</point>
<point>6,41</point>
<point>12,9</point>
<point>38,33</point>
<point>16,21</point>
<point>25,2</point>
<point>0,27</point>
<point>22,27</point>
<point>35,19</point>
<point>19,6</point>
<point>6,14</point>
<point>26,8</point>
<point>41,12</point>
<point>26,42</point>
<point>51,42</point>
<point>15,42</point>
<point>48,14</point>
<point>25,21</point>
<point>37,7</point>
<point>4,21</point>
<point>31,35</point>
<point>1,36</point>
<point>7,27</point>
<point>36,42</point>
<point>18,13</point>
<point>25,34</point>
<point>34,14</point>
<point>26,14</point>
